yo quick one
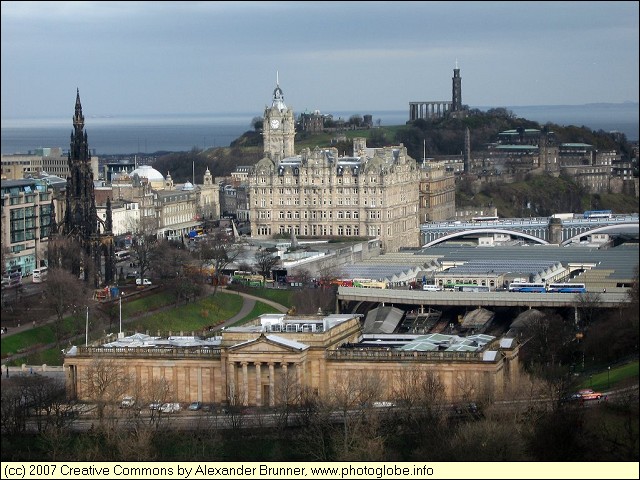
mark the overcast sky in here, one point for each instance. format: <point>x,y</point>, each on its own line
<point>223,57</point>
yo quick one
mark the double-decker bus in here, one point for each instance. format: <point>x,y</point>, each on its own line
<point>368,283</point>
<point>597,214</point>
<point>122,255</point>
<point>342,282</point>
<point>527,287</point>
<point>247,278</point>
<point>39,274</point>
<point>196,232</point>
<point>463,287</point>
<point>12,280</point>
<point>472,288</point>
<point>566,288</point>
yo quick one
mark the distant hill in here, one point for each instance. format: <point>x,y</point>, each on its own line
<point>536,196</point>
<point>541,196</point>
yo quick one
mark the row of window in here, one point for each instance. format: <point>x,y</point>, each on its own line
<point>288,180</point>
<point>262,202</point>
<point>325,191</point>
<point>314,230</point>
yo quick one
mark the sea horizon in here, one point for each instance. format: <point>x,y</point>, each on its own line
<point>123,134</point>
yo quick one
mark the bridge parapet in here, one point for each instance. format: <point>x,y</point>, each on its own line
<point>535,228</point>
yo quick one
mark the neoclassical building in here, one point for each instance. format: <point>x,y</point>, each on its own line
<point>278,357</point>
<point>175,208</point>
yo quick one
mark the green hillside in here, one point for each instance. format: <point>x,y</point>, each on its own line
<point>540,195</point>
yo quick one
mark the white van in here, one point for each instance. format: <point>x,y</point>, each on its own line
<point>144,281</point>
<point>431,288</point>
<point>170,407</point>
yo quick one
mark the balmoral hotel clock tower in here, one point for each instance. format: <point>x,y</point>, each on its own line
<point>278,128</point>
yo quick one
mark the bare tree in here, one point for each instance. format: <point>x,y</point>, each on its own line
<point>217,252</point>
<point>33,398</point>
<point>419,392</point>
<point>66,294</point>
<point>588,304</point>
<point>144,243</point>
<point>327,275</point>
<point>547,343</point>
<point>234,407</point>
<point>309,300</point>
<point>63,252</point>
<point>488,440</point>
<point>353,395</point>
<point>316,437</point>
<point>168,260</point>
<point>287,396</point>
<point>105,381</point>
<point>174,266</point>
<point>265,261</point>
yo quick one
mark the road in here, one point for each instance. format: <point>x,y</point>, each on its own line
<point>187,420</point>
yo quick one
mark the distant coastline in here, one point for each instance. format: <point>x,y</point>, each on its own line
<point>124,134</point>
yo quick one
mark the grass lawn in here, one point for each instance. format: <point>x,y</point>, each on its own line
<point>42,335</point>
<point>258,310</point>
<point>281,296</point>
<point>183,318</point>
<point>616,377</point>
<point>190,317</point>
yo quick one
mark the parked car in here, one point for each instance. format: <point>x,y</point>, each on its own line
<point>143,281</point>
<point>570,398</point>
<point>195,406</point>
<point>127,402</point>
<point>155,405</point>
<point>170,407</point>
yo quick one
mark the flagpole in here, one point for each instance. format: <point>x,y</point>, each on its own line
<point>86,338</point>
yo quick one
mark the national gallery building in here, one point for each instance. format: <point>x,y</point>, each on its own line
<point>280,358</point>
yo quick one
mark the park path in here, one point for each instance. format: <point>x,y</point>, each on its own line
<point>247,306</point>
<point>248,303</point>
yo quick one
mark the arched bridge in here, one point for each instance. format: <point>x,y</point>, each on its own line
<point>542,230</point>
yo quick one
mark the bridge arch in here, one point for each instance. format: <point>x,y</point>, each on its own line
<point>513,233</point>
<point>633,227</point>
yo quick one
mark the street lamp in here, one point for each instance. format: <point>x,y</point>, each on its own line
<point>608,376</point>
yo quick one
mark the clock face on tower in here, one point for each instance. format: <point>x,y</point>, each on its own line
<point>275,123</point>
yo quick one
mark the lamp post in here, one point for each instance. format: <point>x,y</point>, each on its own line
<point>608,376</point>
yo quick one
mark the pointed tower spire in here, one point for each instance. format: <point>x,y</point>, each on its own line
<point>78,118</point>
<point>278,97</point>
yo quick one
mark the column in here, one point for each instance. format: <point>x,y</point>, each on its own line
<point>258,385</point>
<point>285,388</point>
<point>245,384</point>
<point>232,383</point>
<point>299,374</point>
<point>300,378</point>
<point>271,384</point>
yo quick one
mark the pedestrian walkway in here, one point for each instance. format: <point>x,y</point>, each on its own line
<point>248,303</point>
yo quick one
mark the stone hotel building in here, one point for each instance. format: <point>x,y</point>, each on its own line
<point>318,193</point>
